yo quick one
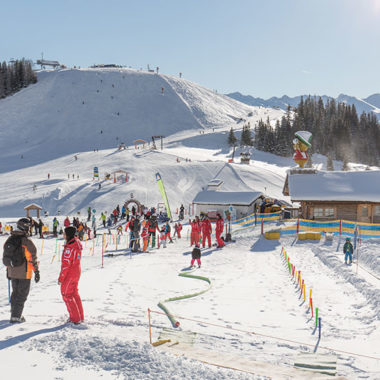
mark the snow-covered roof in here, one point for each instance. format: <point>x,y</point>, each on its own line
<point>32,205</point>
<point>242,198</point>
<point>362,186</point>
<point>215,182</point>
<point>231,190</point>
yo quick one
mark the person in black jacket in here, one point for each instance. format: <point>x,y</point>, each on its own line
<point>136,234</point>
<point>196,255</point>
<point>21,275</point>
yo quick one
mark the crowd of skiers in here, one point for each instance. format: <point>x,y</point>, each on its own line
<point>142,226</point>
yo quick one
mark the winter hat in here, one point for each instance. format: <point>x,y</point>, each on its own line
<point>70,232</point>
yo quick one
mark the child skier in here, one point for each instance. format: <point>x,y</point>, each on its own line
<point>348,250</point>
<point>167,232</point>
<point>163,236</point>
<point>145,237</point>
<point>196,255</point>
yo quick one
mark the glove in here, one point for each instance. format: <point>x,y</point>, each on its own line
<point>37,276</point>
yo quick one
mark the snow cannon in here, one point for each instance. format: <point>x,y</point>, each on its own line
<point>301,144</point>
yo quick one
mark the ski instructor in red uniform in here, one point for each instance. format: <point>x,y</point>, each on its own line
<point>70,274</point>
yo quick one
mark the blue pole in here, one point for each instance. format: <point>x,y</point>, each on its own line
<point>9,290</point>
<point>320,326</point>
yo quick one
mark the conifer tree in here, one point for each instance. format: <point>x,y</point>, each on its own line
<point>232,140</point>
<point>330,164</point>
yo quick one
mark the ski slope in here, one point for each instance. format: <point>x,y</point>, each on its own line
<point>70,111</point>
<point>48,124</point>
<point>251,291</point>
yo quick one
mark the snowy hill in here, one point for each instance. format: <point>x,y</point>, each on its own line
<point>71,111</point>
<point>370,104</point>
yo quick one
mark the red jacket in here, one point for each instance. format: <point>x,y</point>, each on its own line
<point>71,255</point>
<point>66,223</point>
<point>195,227</point>
<point>206,227</point>
<point>219,225</point>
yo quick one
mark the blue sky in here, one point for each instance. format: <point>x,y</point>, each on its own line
<point>259,47</point>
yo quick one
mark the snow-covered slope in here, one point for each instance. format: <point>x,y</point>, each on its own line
<point>71,111</point>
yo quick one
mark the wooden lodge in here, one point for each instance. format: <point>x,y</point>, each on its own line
<point>331,195</point>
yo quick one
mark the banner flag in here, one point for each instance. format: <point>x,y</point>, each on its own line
<point>163,194</point>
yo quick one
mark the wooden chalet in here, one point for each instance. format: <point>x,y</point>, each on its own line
<point>330,195</point>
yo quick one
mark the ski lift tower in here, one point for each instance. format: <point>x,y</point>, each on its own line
<point>43,62</point>
<point>154,142</point>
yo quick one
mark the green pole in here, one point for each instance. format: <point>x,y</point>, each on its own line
<point>290,269</point>
<point>316,317</point>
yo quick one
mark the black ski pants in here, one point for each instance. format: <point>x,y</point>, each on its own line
<point>20,291</point>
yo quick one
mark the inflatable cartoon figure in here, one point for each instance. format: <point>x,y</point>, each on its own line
<point>301,144</point>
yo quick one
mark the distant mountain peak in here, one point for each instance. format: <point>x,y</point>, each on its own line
<point>369,104</point>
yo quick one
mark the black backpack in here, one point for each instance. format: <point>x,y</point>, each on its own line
<point>13,254</point>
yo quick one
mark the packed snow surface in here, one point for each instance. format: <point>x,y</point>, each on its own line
<point>54,133</point>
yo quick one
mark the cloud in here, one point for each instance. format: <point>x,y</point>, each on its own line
<point>307,72</point>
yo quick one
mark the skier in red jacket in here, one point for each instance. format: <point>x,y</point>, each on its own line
<point>219,230</point>
<point>70,274</point>
<point>195,231</point>
<point>66,223</point>
<point>206,231</point>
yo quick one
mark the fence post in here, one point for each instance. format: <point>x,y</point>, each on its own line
<point>340,227</point>
<point>316,316</point>
<point>262,226</point>
<point>150,331</point>
<point>102,251</point>
<point>298,225</point>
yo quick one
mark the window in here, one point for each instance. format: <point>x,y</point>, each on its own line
<point>376,210</point>
<point>364,212</point>
<point>318,213</point>
<point>327,212</point>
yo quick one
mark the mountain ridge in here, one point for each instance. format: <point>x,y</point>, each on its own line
<point>369,104</point>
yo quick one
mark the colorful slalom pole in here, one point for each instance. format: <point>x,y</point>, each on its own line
<point>316,316</point>
<point>320,328</point>
<point>103,251</point>
<point>150,331</point>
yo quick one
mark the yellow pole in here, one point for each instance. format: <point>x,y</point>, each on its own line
<point>310,297</point>
<point>304,292</point>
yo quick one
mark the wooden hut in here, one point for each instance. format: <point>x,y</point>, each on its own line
<point>329,195</point>
<point>31,207</point>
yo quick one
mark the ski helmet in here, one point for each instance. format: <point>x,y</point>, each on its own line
<point>23,224</point>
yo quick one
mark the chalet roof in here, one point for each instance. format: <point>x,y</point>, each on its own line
<point>240,198</point>
<point>231,190</point>
<point>33,206</point>
<point>354,186</point>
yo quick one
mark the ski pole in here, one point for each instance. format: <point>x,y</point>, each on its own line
<point>9,290</point>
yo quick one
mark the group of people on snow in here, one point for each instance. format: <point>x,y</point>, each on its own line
<point>143,228</point>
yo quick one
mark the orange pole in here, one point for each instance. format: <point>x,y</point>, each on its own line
<point>150,331</point>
